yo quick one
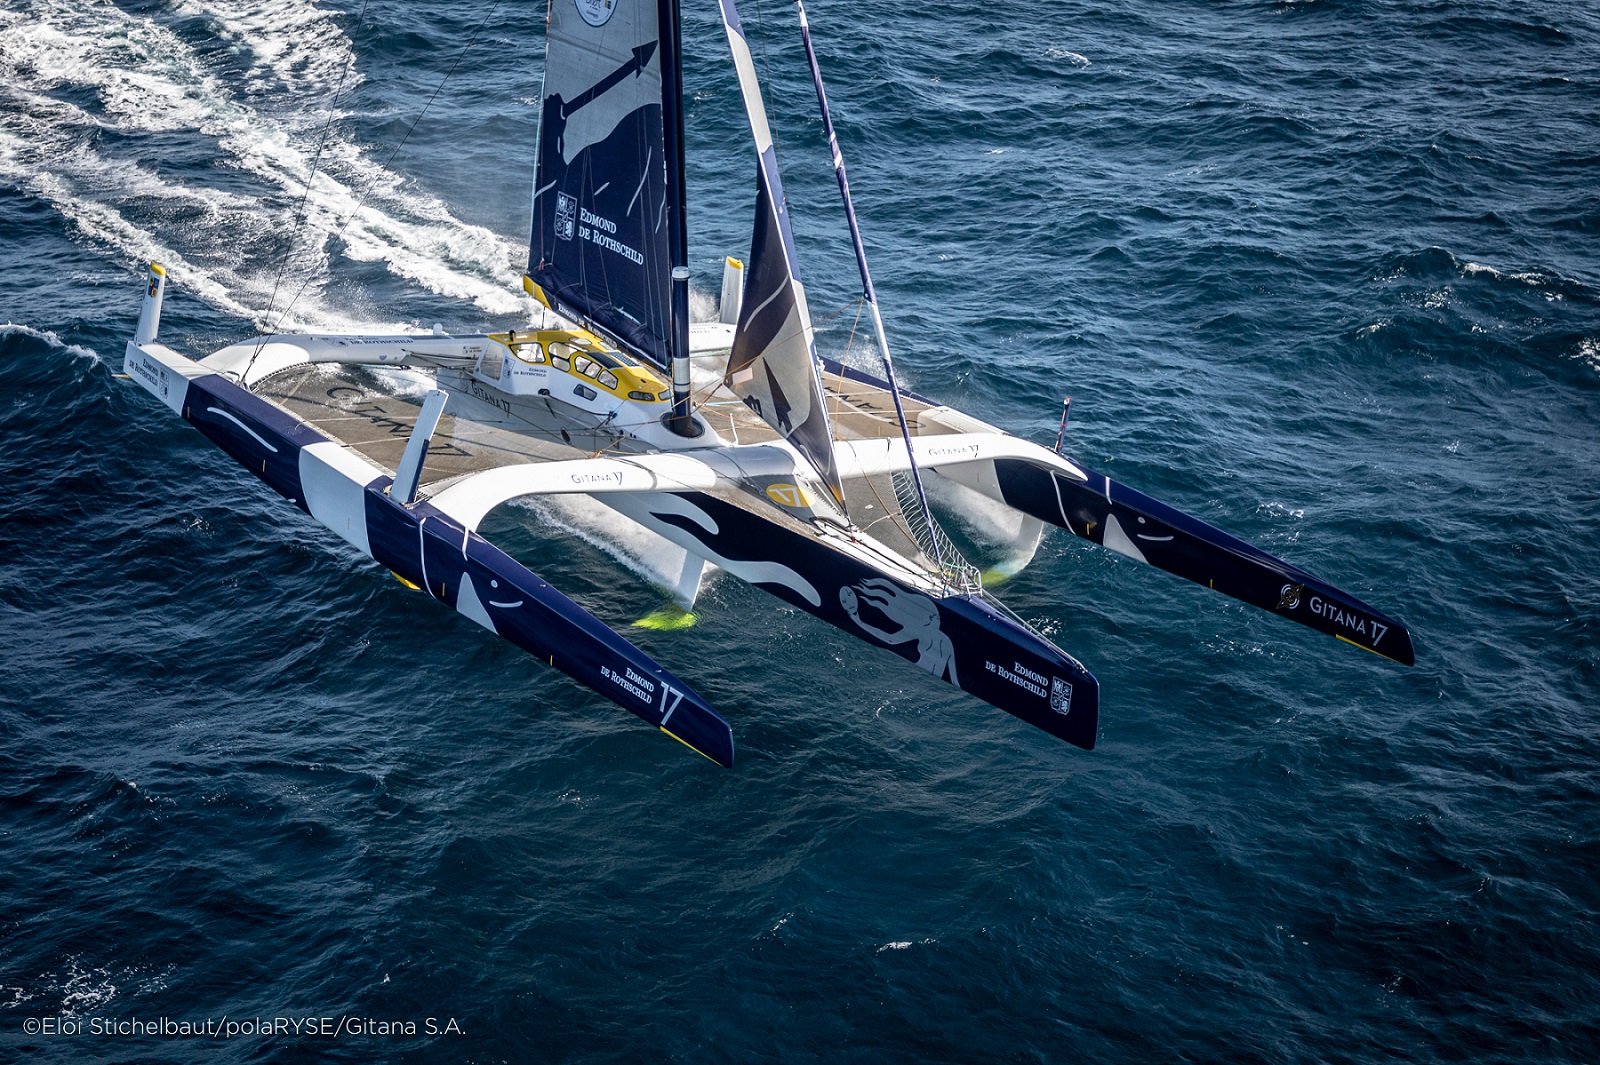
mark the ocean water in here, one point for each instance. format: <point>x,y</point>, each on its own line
<point>1323,273</point>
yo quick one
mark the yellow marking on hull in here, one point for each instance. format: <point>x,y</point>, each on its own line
<point>788,495</point>
<point>408,584</point>
<point>689,745</point>
<point>535,291</point>
<point>1364,647</point>
<point>158,269</point>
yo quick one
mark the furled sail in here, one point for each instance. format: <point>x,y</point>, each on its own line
<point>607,202</point>
<point>773,366</point>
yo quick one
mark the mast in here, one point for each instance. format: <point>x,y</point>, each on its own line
<point>678,419</point>
<point>867,291</point>
<point>672,130</point>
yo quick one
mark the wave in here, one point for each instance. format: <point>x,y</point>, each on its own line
<point>49,339</point>
<point>1588,352</point>
<point>648,555</point>
<point>294,45</point>
<point>82,89</point>
<point>1438,264</point>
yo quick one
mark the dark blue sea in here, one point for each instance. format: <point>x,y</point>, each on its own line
<point>1325,274</point>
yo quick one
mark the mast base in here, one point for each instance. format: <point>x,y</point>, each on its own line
<point>684,425</point>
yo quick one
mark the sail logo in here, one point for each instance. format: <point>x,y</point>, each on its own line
<point>596,12</point>
<point>1060,696</point>
<point>788,495</point>
<point>566,216</point>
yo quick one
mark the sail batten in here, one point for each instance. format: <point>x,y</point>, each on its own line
<point>773,365</point>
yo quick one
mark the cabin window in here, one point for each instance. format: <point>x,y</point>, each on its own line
<point>493,363</point>
<point>558,361</point>
<point>585,391</point>
<point>665,395</point>
<point>608,379</point>
<point>528,353</point>
<point>642,397</point>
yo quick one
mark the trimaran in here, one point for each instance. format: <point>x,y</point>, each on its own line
<point>731,439</point>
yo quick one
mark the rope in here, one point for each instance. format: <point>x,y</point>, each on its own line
<point>766,85</point>
<point>361,201</point>
<point>300,211</point>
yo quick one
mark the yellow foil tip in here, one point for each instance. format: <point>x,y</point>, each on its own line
<point>667,619</point>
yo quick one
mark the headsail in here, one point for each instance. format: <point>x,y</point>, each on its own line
<point>773,366</point>
<point>608,199</point>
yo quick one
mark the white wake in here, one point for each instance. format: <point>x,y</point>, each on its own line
<point>108,117</point>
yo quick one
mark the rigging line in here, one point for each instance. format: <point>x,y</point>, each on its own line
<point>866,280</point>
<point>838,391</point>
<point>896,516</point>
<point>850,343</point>
<point>831,315</point>
<point>362,201</point>
<point>766,89</point>
<point>316,164</point>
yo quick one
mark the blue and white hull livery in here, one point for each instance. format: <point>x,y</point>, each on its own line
<point>423,546</point>
<point>707,500</point>
<point>793,473</point>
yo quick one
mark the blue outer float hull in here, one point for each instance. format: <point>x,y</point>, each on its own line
<point>1113,515</point>
<point>429,550</point>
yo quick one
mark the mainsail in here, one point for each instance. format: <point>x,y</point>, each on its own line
<point>608,201</point>
<point>773,365</point>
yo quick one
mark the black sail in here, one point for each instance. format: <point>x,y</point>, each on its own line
<point>773,365</point>
<point>607,202</point>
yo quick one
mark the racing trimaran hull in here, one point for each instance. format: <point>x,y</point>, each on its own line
<point>793,473</point>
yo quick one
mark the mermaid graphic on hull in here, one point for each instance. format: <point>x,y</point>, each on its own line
<point>917,617</point>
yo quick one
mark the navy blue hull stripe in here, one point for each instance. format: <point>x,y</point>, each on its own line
<point>1113,515</point>
<point>431,551</point>
<point>960,639</point>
